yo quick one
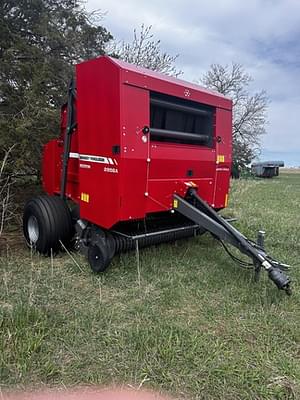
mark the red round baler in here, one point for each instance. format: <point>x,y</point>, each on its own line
<point>142,158</point>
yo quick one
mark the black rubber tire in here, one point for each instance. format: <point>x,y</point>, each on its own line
<point>51,219</point>
<point>98,257</point>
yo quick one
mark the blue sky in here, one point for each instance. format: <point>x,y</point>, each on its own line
<point>263,35</point>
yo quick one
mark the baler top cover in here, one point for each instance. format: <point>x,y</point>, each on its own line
<point>140,137</point>
<point>145,73</point>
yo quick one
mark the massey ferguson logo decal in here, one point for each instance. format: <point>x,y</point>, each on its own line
<point>94,159</point>
<point>187,93</point>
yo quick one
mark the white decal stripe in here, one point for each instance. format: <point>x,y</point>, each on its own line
<point>74,155</point>
<point>95,159</point>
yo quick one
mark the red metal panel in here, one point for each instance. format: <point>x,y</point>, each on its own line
<point>161,192</point>
<point>221,187</point>
<point>51,166</point>
<point>170,167</point>
<point>72,187</point>
<point>151,80</point>
<point>134,152</point>
<point>52,162</point>
<point>223,157</point>
<point>98,115</point>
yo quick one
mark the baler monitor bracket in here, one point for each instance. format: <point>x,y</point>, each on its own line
<point>194,208</point>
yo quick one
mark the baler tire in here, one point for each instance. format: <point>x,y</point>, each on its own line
<point>47,222</point>
<point>98,257</point>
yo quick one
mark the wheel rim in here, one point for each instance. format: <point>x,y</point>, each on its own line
<point>33,229</point>
<point>96,257</point>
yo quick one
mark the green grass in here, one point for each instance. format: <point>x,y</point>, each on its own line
<point>194,325</point>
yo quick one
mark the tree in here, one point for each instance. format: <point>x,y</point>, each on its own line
<point>249,110</point>
<point>40,41</point>
<point>6,205</point>
<point>146,52</point>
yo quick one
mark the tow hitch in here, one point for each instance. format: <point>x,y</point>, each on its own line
<point>194,208</point>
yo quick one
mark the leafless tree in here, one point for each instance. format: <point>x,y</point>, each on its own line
<point>6,181</point>
<point>146,52</point>
<point>249,110</point>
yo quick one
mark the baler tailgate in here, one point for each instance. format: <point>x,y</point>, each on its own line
<point>194,208</point>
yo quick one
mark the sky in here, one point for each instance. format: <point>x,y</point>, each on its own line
<point>262,35</point>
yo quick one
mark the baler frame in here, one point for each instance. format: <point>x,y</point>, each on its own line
<point>71,125</point>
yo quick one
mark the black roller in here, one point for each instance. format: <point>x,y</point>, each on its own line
<point>125,243</point>
<point>179,107</point>
<point>168,134</point>
<point>103,245</point>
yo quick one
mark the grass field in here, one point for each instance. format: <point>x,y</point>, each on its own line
<point>188,322</point>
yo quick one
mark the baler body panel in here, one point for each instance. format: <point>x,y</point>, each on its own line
<point>223,159</point>
<point>52,162</point>
<point>98,118</point>
<point>116,171</point>
<point>134,152</point>
<point>168,172</point>
<point>51,166</point>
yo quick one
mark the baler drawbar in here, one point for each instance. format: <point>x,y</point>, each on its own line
<point>142,159</point>
<point>206,217</point>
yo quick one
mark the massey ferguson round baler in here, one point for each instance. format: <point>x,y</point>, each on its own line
<point>142,158</point>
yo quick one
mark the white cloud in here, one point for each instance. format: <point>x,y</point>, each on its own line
<point>284,117</point>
